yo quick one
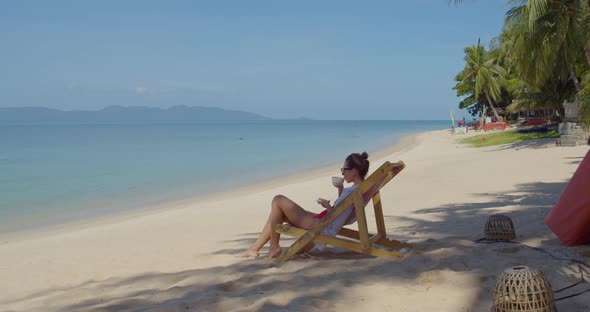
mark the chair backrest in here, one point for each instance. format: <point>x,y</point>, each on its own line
<point>375,182</point>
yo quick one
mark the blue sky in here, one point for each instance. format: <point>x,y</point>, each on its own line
<point>282,59</point>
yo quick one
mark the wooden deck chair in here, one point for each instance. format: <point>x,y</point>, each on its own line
<point>359,241</point>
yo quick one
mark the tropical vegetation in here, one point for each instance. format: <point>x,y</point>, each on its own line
<point>540,60</point>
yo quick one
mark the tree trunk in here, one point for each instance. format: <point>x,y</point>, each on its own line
<point>558,105</point>
<point>575,79</point>
<point>483,114</point>
<point>493,108</point>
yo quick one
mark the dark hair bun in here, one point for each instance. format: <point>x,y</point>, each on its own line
<point>360,162</point>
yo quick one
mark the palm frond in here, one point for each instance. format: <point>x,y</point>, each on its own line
<point>583,99</point>
<point>536,10</point>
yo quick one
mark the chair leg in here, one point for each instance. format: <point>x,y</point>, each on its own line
<point>392,243</point>
<point>379,214</point>
<point>361,220</point>
<point>297,246</point>
<point>338,243</point>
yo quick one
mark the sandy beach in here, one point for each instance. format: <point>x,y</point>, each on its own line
<point>180,257</point>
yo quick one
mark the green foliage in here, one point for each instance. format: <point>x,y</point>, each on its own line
<point>506,137</point>
<point>549,40</point>
<point>583,98</point>
<point>543,50</point>
<point>481,79</point>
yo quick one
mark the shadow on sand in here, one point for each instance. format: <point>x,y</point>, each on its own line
<point>442,247</point>
<point>532,143</point>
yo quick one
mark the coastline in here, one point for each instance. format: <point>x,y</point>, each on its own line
<point>181,258</point>
<point>119,167</point>
<point>94,218</point>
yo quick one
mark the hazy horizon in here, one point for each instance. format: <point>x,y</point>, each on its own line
<point>327,60</point>
<point>93,113</point>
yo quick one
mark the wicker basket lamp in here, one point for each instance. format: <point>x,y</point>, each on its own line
<point>499,227</point>
<point>522,288</point>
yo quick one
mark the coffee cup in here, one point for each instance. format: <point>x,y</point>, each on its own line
<point>337,181</point>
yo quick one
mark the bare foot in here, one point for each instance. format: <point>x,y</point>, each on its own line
<point>275,252</point>
<point>248,253</point>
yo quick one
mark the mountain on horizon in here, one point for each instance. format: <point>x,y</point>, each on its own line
<point>125,113</point>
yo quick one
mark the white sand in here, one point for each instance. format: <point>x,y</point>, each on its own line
<point>179,258</point>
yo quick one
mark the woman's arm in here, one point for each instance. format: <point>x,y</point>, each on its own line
<point>326,203</point>
<point>340,188</point>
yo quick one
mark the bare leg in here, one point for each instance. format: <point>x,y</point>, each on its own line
<point>277,216</point>
<point>285,209</point>
<point>282,209</point>
<point>263,238</point>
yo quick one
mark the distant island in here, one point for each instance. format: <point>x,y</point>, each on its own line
<point>125,113</point>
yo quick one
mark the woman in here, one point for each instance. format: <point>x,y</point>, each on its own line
<point>283,209</point>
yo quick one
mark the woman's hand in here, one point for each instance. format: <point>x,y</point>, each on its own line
<point>324,202</point>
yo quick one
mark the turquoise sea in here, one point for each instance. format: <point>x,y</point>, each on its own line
<point>54,172</point>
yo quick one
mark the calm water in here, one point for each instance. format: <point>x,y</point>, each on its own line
<point>54,172</point>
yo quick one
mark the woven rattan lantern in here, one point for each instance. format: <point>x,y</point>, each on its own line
<point>499,227</point>
<point>521,288</point>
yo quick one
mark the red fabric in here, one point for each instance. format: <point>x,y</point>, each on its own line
<point>494,125</point>
<point>321,214</point>
<point>570,218</point>
<point>536,122</point>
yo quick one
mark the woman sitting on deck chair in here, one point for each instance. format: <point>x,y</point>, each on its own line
<point>283,209</point>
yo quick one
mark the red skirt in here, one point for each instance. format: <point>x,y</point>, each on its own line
<point>321,214</point>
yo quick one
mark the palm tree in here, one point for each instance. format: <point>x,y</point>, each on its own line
<point>466,90</point>
<point>482,74</point>
<point>550,46</point>
<point>528,92</point>
<point>548,40</point>
<point>583,98</point>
